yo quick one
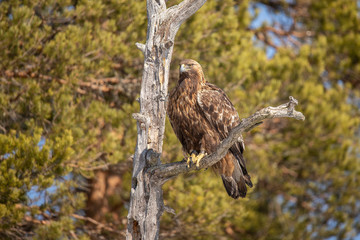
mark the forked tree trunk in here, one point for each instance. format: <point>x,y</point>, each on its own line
<point>146,203</point>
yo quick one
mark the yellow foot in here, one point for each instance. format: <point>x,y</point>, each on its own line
<point>196,158</point>
<point>188,162</point>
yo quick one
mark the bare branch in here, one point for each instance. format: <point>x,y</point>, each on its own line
<point>141,47</point>
<point>98,224</point>
<point>143,120</point>
<point>112,85</point>
<point>140,117</point>
<point>169,210</point>
<point>166,171</point>
<point>179,13</point>
<point>281,32</point>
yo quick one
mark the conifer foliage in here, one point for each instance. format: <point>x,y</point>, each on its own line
<point>69,77</point>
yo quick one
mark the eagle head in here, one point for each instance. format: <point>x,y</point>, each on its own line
<point>191,69</point>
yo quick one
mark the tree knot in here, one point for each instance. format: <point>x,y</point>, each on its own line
<point>152,158</point>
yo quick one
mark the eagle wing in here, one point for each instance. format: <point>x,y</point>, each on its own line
<point>222,115</point>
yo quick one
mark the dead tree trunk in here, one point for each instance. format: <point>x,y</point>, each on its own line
<point>146,203</point>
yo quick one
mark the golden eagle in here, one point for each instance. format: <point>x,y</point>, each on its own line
<point>202,116</point>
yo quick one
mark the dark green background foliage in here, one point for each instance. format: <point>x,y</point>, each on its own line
<point>70,74</point>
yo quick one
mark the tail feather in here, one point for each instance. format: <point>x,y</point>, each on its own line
<point>235,184</point>
<point>233,188</point>
<point>240,167</point>
<point>247,179</point>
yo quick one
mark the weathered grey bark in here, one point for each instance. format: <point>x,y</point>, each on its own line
<point>146,203</point>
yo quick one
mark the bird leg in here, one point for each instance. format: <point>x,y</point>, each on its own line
<point>188,162</point>
<point>195,158</point>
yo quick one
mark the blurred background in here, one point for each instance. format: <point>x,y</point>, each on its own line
<point>69,78</point>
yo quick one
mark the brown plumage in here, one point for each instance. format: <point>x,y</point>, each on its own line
<point>202,116</point>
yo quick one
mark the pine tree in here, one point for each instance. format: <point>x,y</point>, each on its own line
<point>70,74</point>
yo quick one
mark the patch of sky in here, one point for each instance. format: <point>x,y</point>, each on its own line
<point>264,16</point>
<point>6,155</point>
<point>261,17</point>
<point>340,83</point>
<point>314,235</point>
<point>41,143</point>
<point>327,85</point>
<point>331,238</point>
<point>309,227</point>
<point>280,199</point>
<point>39,197</point>
<point>70,8</point>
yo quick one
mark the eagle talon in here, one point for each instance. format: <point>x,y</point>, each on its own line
<point>196,159</point>
<point>189,162</point>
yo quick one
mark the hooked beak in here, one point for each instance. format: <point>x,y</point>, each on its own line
<point>182,68</point>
